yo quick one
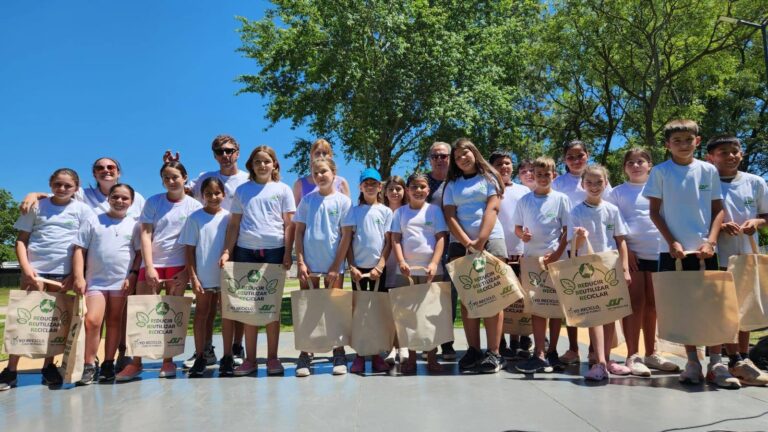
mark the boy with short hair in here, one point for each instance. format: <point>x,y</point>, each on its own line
<point>745,202</point>
<point>687,208</point>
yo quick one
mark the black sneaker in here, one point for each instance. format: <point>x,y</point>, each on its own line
<point>510,352</point>
<point>227,366</point>
<point>471,359</point>
<point>122,361</point>
<point>199,367</point>
<point>533,365</point>
<point>209,355</point>
<point>492,363</point>
<point>107,372</point>
<point>7,379</point>
<point>554,361</point>
<point>90,372</point>
<point>526,343</point>
<point>51,376</point>
<point>238,354</point>
<point>447,351</point>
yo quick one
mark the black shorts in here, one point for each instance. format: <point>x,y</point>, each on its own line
<point>645,265</point>
<point>690,263</point>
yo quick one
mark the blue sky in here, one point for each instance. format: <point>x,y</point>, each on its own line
<point>80,80</point>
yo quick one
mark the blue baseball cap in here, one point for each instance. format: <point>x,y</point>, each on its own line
<point>370,173</point>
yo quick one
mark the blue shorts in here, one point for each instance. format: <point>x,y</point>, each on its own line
<point>259,256</point>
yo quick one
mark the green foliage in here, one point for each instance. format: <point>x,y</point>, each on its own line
<point>9,213</point>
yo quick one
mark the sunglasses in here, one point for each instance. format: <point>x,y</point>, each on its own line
<point>438,156</point>
<point>105,167</point>
<point>225,151</point>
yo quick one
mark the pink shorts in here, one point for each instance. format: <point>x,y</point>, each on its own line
<point>105,293</point>
<point>162,273</point>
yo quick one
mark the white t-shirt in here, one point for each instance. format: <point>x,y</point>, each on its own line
<point>207,232</point>
<point>743,198</point>
<point>322,216</point>
<point>369,224</point>
<point>644,239</point>
<point>111,245</point>
<point>470,197</point>
<point>512,195</point>
<point>262,207</point>
<point>686,193</point>
<point>99,203</point>
<point>544,216</point>
<point>418,229</point>
<point>231,183</point>
<point>52,230</point>
<point>570,185</point>
<point>167,219</point>
<point>603,223</point>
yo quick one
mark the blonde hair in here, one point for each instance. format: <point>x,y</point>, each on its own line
<point>595,169</point>
<point>322,144</point>
<point>328,161</point>
<point>544,162</point>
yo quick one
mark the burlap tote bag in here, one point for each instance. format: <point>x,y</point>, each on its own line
<point>696,307</point>
<point>373,325</point>
<point>422,315</point>
<point>591,288</point>
<point>74,353</point>
<point>485,284</point>
<point>37,323</point>
<point>252,293</point>
<point>538,288</point>
<point>157,325</point>
<point>750,276</point>
<point>322,319</point>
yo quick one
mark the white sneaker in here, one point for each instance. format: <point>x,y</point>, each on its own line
<point>403,354</point>
<point>391,358</point>
<point>302,366</point>
<point>656,361</point>
<point>719,375</point>
<point>692,373</point>
<point>188,363</point>
<point>749,374</point>
<point>636,366</point>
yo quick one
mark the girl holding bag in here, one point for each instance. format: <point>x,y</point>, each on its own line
<point>394,198</point>
<point>471,201</point>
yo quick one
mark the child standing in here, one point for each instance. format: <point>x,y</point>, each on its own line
<point>745,202</point>
<point>602,223</point>
<point>525,174</point>
<point>687,208</point>
<point>260,231</point>
<point>367,225</point>
<point>418,240</point>
<point>203,235</point>
<point>44,248</point>
<point>105,266</point>
<point>394,198</point>
<point>320,244</point>
<point>541,222</point>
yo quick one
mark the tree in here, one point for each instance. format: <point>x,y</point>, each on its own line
<point>9,213</point>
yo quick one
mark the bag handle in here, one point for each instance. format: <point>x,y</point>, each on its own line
<point>317,275</point>
<point>752,243</point>
<point>575,249</point>
<point>375,283</point>
<point>679,262</point>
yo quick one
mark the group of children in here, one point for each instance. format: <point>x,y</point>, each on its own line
<point>660,214</point>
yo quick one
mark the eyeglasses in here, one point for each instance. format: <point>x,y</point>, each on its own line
<point>105,167</point>
<point>225,151</point>
<point>438,156</point>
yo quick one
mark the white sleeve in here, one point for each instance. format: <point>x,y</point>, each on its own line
<point>190,234</point>
<point>653,187</point>
<point>448,193</point>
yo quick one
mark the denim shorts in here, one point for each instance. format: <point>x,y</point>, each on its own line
<point>259,256</point>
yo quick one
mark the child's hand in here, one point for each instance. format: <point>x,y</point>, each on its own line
<point>303,272</point>
<point>551,257</point>
<point>29,281</point>
<point>355,274</point>
<point>580,232</point>
<point>169,157</point>
<point>405,269</point>
<point>224,258</point>
<point>431,270</point>
<point>79,286</point>
<point>375,274</point>
<point>128,284</point>
<point>627,277</point>
<point>705,250</point>
<point>730,228</point>
<point>676,250</point>
<point>477,245</point>
<point>750,226</point>
<point>179,281</point>
<point>153,280</point>
<point>287,260</point>
<point>197,287</point>
<point>527,236</point>
<point>68,283</point>
<point>331,278</point>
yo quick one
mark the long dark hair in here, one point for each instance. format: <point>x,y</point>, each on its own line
<point>483,167</point>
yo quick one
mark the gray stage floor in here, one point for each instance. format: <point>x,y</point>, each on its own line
<point>376,402</point>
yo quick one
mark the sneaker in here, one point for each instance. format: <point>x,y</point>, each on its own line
<point>107,371</point>
<point>379,364</point>
<point>471,359</point>
<point>554,361</point>
<point>188,363</point>
<point>90,372</point>
<point>302,366</point>
<point>447,351</point>
<point>227,366</point>
<point>534,365</point>
<point>122,361</point>
<point>492,363</point>
<point>275,367</point>
<point>129,373</point>
<point>692,373</point>
<point>7,379</point>
<point>167,370</point>
<point>508,353</point>
<point>248,367</point>
<point>403,354</point>
<point>198,368</point>
<point>570,358</point>
<point>615,368</point>
<point>636,366</point>
<point>526,343</point>
<point>51,376</point>
<point>656,361</point>
<point>209,355</point>
<point>596,373</point>
<point>749,374</point>
<point>238,354</point>
<point>339,362</point>
<point>358,365</point>
<point>391,358</point>
<point>719,375</point>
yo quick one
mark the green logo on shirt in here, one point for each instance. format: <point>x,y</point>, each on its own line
<point>550,214</point>
<point>609,226</point>
<point>703,187</point>
<point>333,212</point>
<point>378,221</point>
<point>275,197</point>
<point>428,223</point>
<point>749,202</point>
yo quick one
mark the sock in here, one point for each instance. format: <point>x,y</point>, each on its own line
<point>733,359</point>
<point>715,358</point>
<point>693,356</point>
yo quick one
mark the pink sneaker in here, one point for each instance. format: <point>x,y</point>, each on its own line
<point>379,365</point>
<point>596,373</point>
<point>129,373</point>
<point>275,367</point>
<point>248,367</point>
<point>358,365</point>
<point>618,368</point>
<point>168,370</point>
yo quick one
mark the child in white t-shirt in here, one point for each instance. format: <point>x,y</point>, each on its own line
<point>367,225</point>
<point>163,257</point>
<point>105,267</point>
<point>541,222</point>
<point>394,198</point>
<point>203,235</point>
<point>601,223</point>
<point>321,245</point>
<point>745,200</point>
<point>418,239</point>
<point>44,249</point>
